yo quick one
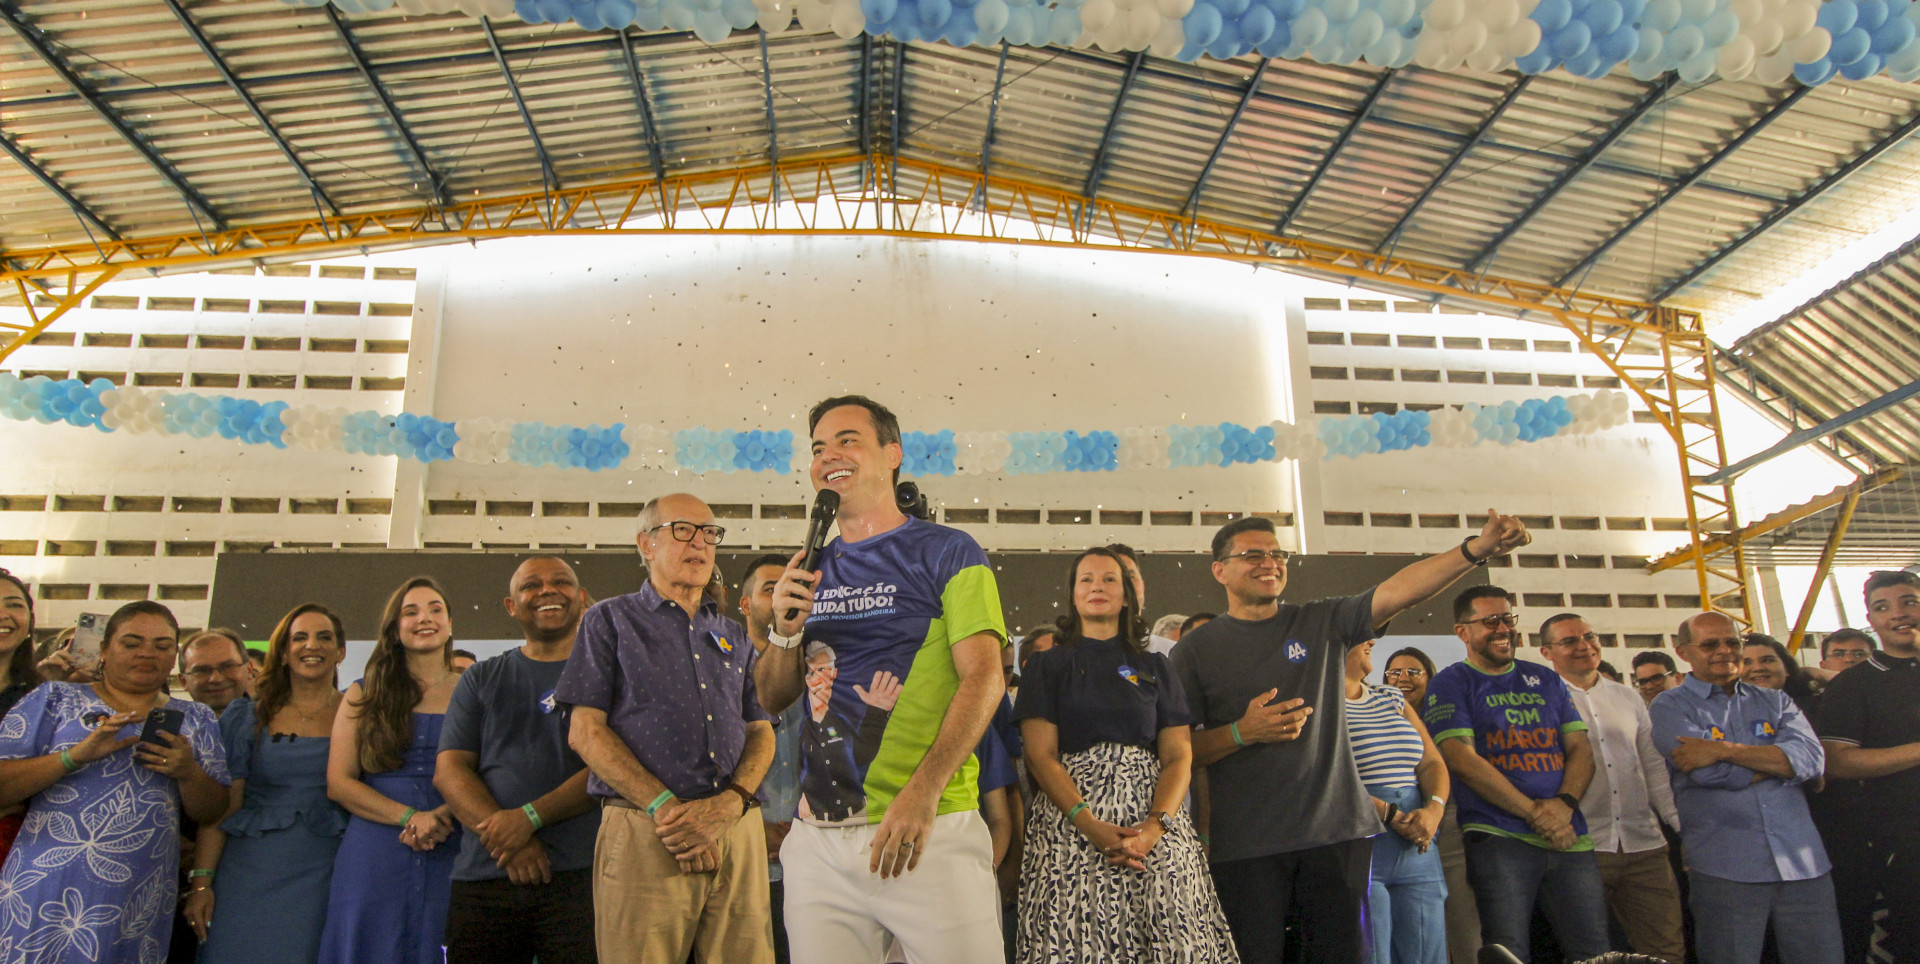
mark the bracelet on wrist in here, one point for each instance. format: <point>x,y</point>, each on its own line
<point>406,816</point>
<point>1075,811</point>
<point>67,761</point>
<point>533,816</point>
<point>784,642</point>
<point>199,872</point>
<point>1471,558</point>
<point>1234,730</point>
<point>658,802</point>
<point>1442,801</point>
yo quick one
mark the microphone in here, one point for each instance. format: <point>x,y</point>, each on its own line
<point>826,504</point>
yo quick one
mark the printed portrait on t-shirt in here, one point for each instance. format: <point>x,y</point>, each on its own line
<point>838,749</point>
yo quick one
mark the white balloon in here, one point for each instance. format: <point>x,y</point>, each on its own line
<point>1774,70</point>
<point>818,17</point>
<point>1499,15</point>
<point>1520,39</point>
<point>1444,15</point>
<point>1143,24</point>
<point>1174,9</point>
<point>1735,59</point>
<point>1470,37</point>
<point>1168,41</point>
<point>1096,14</point>
<point>1486,60</point>
<point>1811,46</point>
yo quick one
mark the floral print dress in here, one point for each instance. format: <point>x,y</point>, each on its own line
<point>95,872</point>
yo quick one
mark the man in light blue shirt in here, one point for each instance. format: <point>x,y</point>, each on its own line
<point>1737,755</point>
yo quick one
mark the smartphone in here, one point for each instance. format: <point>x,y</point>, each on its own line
<point>162,720</point>
<point>89,631</point>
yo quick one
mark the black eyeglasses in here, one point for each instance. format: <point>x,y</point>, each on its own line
<point>1260,557</point>
<point>1508,620</point>
<point>1849,653</point>
<point>684,531</point>
<point>1592,639</point>
<point>1649,680</point>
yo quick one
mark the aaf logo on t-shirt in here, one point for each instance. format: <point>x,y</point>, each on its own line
<point>1127,673</point>
<point>1715,733</point>
<point>1762,730</point>
<point>547,703</point>
<point>1532,680</point>
<point>1296,651</point>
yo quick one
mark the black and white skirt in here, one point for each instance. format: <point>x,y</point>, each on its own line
<point>1075,908</point>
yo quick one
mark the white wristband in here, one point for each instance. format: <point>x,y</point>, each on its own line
<point>784,642</point>
<point>1439,800</point>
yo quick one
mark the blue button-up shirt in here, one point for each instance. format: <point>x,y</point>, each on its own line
<point>677,688</point>
<point>1737,829</point>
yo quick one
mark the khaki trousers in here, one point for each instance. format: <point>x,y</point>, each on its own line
<point>646,911</point>
<point>1645,899</point>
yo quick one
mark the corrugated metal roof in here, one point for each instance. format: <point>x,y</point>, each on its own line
<point>1307,124</point>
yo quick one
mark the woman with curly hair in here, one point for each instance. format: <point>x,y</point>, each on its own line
<point>393,875</point>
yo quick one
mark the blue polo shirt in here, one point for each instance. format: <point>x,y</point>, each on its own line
<point>1737,829</point>
<point>676,687</point>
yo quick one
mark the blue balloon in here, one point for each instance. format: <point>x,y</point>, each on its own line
<point>1619,45</point>
<point>879,12</point>
<point>1551,15</point>
<point>934,15</point>
<point>1232,9</point>
<point>1838,16</point>
<point>1893,36</point>
<point>1538,62</point>
<point>1202,25</point>
<point>1850,46</point>
<point>1257,24</point>
<point>1278,41</point>
<point>1603,16</point>
<point>1863,68</point>
<point>555,11</point>
<point>1571,40</point>
<point>1872,13</point>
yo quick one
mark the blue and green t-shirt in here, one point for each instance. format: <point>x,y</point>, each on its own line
<point>1515,719</point>
<point>891,604</point>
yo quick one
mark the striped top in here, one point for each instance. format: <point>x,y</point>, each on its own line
<point>1386,747</point>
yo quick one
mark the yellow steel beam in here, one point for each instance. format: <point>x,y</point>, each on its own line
<point>47,301</point>
<point>1779,520</point>
<point>1835,536</point>
<point>839,195</point>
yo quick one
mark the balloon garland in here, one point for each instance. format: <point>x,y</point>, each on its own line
<point>109,408</point>
<point>1768,40</point>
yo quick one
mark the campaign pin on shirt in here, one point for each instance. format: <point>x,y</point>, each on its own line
<point>1127,673</point>
<point>1715,733</point>
<point>1762,730</point>
<point>1296,651</point>
<point>720,642</point>
<point>547,703</point>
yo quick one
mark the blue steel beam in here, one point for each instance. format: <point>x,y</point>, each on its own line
<point>1815,433</point>
<point>319,194</point>
<point>773,124</point>
<point>1226,134</point>
<point>865,99</point>
<point>1479,136</point>
<point>387,106</point>
<point>59,190</point>
<point>1103,157</point>
<point>37,39</point>
<point>993,116</point>
<point>655,156</point>
<point>551,180</point>
<point>1580,165</point>
<point>1333,153</point>
<point>1693,177</point>
<point>1792,207</point>
<point>893,99</point>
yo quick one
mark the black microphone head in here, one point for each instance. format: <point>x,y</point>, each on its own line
<point>826,505</point>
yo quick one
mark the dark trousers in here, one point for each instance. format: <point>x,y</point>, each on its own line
<point>1856,880</point>
<point>1322,888</point>
<point>779,899</point>
<point>500,922</point>
<point>1900,883</point>
<point>1510,877</point>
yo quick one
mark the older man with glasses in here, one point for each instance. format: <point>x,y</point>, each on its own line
<point>665,714</point>
<point>215,668</point>
<point>1738,756</point>
<point>1290,819</point>
<point>1629,796</point>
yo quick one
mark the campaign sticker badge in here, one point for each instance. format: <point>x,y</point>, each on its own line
<point>1715,733</point>
<point>1296,651</point>
<point>547,703</point>
<point>1127,673</point>
<point>1763,730</point>
<point>720,643</point>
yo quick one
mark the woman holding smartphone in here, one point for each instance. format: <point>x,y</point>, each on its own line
<point>94,873</point>
<point>393,875</point>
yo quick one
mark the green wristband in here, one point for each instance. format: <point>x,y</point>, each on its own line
<point>1082,805</point>
<point>658,802</point>
<point>1235,731</point>
<point>66,761</point>
<point>533,816</point>
<point>1204,839</point>
<point>406,816</point>
<point>199,873</point>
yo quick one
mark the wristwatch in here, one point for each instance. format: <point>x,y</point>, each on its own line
<point>1476,560</point>
<point>1572,802</point>
<point>747,799</point>
<point>1166,825</point>
<point>784,642</point>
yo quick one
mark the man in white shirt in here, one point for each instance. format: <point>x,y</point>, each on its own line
<point>1629,790</point>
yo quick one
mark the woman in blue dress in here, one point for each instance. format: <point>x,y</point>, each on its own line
<point>94,874</point>
<point>393,875</point>
<point>259,887</point>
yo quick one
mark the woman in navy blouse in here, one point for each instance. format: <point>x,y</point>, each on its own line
<point>1113,870</point>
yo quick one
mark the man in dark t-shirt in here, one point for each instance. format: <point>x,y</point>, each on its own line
<point>1290,819</point>
<point>1870,727</point>
<point>522,885</point>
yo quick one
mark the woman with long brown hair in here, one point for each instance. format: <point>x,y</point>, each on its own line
<point>1112,869</point>
<point>393,875</point>
<point>262,874</point>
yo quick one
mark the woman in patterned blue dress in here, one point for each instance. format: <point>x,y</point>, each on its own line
<point>393,875</point>
<point>262,874</point>
<point>1113,870</point>
<point>94,873</point>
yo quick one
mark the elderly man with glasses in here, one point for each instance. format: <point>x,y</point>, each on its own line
<point>1290,819</point>
<point>665,714</point>
<point>1521,757</point>
<point>1629,796</point>
<point>1738,755</point>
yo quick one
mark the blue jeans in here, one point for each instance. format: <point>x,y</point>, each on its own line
<point>1407,895</point>
<point>1730,920</point>
<point>1510,876</point>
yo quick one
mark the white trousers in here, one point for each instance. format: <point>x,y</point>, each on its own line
<point>946,911</point>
